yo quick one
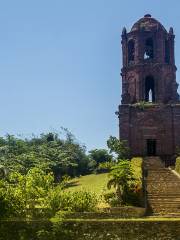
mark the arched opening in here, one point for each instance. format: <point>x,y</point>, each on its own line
<point>149,89</point>
<point>167,52</point>
<point>149,49</point>
<point>131,51</point>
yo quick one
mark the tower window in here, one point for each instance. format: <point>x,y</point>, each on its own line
<point>149,49</point>
<point>131,51</point>
<point>149,89</point>
<point>167,52</point>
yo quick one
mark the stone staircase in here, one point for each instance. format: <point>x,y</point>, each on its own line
<point>162,188</point>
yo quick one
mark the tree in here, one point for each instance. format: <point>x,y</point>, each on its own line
<point>100,155</point>
<point>120,177</point>
<point>118,147</point>
<point>61,154</point>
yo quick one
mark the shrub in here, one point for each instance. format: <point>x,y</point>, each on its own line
<point>105,167</point>
<point>25,195</point>
<point>111,199</point>
<point>77,201</point>
<point>12,202</point>
<point>121,176</point>
<point>83,201</point>
<point>134,194</point>
<point>143,105</point>
<point>177,166</point>
<point>126,176</point>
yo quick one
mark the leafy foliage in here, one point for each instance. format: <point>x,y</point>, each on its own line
<point>34,195</point>
<point>126,177</point>
<point>75,201</point>
<point>35,175</point>
<point>120,177</point>
<point>97,158</point>
<point>118,147</point>
<point>23,194</point>
<point>105,167</point>
<point>177,166</point>
<point>49,151</point>
<point>143,105</point>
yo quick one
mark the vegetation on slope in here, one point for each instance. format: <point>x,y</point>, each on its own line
<point>97,183</point>
<point>61,154</point>
<point>35,173</point>
<point>177,166</point>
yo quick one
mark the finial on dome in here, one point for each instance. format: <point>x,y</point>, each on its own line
<point>147,15</point>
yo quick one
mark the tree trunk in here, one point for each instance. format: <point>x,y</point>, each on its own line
<point>119,195</point>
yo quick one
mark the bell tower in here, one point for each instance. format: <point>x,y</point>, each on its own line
<point>150,109</point>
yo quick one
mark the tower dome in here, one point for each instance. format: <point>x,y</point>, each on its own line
<point>147,23</point>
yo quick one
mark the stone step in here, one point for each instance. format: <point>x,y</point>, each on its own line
<point>164,179</point>
<point>161,170</point>
<point>170,201</point>
<point>162,174</point>
<point>174,186</point>
<point>154,176</point>
<point>151,189</point>
<point>160,192</point>
<point>171,184</point>
<point>163,188</point>
<point>164,199</point>
<point>173,195</point>
<point>163,182</point>
<point>165,204</point>
<point>167,209</point>
<point>167,215</point>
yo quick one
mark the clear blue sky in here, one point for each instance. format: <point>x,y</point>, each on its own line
<point>60,62</point>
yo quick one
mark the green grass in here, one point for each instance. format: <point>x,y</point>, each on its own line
<point>98,182</point>
<point>93,182</point>
<point>177,166</point>
<point>136,164</point>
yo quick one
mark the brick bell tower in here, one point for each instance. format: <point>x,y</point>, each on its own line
<point>149,114</point>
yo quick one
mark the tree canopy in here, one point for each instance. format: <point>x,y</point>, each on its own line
<point>51,152</point>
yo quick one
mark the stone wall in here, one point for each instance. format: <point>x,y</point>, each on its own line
<point>91,229</point>
<point>156,121</point>
<point>110,213</point>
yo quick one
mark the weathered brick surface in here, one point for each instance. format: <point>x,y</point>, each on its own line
<point>162,120</point>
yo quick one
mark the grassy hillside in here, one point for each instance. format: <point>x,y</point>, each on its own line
<point>93,182</point>
<point>98,182</point>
